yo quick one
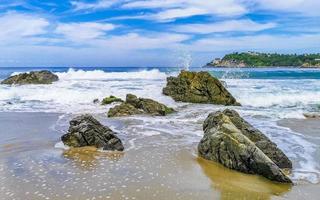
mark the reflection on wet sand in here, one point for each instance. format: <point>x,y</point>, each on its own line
<point>90,157</point>
<point>233,185</point>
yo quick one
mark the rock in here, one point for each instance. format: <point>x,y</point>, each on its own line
<point>198,87</point>
<point>35,77</point>
<point>134,106</point>
<point>85,130</point>
<point>312,115</point>
<point>96,101</point>
<point>261,141</point>
<point>124,109</point>
<point>234,143</point>
<point>110,99</point>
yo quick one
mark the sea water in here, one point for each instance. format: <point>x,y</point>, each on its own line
<point>266,95</point>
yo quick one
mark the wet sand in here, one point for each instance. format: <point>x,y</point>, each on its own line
<point>158,166</point>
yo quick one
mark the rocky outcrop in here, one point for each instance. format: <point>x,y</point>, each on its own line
<point>35,77</point>
<point>198,87</point>
<point>231,141</point>
<point>227,63</point>
<point>134,106</point>
<point>85,130</point>
<point>110,99</point>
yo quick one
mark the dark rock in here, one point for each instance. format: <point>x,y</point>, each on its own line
<point>134,105</point>
<point>110,99</point>
<point>261,141</point>
<point>85,130</point>
<point>124,109</point>
<point>35,77</point>
<point>198,87</point>
<point>234,143</point>
<point>96,101</point>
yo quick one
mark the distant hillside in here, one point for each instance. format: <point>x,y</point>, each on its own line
<point>255,59</point>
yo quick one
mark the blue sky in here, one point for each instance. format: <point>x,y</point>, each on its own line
<point>80,33</point>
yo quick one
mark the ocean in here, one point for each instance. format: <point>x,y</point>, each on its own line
<point>267,95</point>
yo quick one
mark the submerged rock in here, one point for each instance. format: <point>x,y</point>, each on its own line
<point>231,141</point>
<point>35,77</point>
<point>110,99</point>
<point>198,87</point>
<point>85,130</point>
<point>96,101</point>
<point>312,115</point>
<point>134,105</point>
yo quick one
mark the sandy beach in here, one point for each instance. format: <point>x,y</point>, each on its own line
<point>159,166</point>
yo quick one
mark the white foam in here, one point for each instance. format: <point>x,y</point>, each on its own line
<point>76,90</point>
<point>60,145</point>
<point>73,74</point>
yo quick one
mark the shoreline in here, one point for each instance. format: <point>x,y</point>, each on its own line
<point>261,67</point>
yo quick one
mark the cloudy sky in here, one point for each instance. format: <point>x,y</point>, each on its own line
<point>79,33</point>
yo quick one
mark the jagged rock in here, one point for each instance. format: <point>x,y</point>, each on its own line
<point>124,109</point>
<point>35,77</point>
<point>198,87</point>
<point>234,143</point>
<point>261,141</point>
<point>110,99</point>
<point>85,130</point>
<point>134,105</point>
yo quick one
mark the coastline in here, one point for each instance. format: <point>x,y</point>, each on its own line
<point>261,67</point>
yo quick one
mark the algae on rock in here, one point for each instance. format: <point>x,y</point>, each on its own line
<point>198,87</point>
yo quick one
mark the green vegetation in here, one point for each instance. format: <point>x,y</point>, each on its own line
<point>253,59</point>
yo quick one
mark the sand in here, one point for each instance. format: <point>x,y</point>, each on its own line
<point>158,166</point>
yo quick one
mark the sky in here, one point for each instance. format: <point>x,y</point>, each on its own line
<point>151,33</point>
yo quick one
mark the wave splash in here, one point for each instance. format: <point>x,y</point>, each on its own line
<point>73,74</point>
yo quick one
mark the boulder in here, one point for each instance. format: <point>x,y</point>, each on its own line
<point>134,105</point>
<point>198,87</point>
<point>124,109</point>
<point>110,99</point>
<point>85,130</point>
<point>234,143</point>
<point>257,137</point>
<point>34,77</point>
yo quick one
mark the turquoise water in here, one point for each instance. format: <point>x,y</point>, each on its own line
<point>265,73</point>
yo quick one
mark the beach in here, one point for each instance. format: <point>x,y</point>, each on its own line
<point>157,166</point>
<point>160,160</point>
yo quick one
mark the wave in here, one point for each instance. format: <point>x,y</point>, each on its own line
<point>73,74</point>
<point>280,100</point>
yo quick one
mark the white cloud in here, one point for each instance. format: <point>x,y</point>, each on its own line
<point>83,31</point>
<point>283,43</point>
<point>224,26</point>
<point>304,7</point>
<point>15,27</point>
<point>100,4</point>
<point>174,9</point>
<point>134,41</point>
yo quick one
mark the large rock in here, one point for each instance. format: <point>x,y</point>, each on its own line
<point>134,105</point>
<point>85,130</point>
<point>234,143</point>
<point>257,137</point>
<point>35,77</point>
<point>198,87</point>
